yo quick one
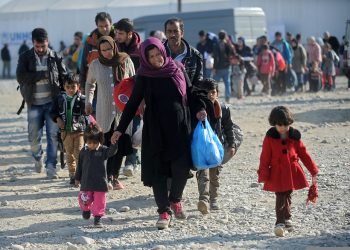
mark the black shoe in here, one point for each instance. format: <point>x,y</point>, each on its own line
<point>72,181</point>
<point>97,221</point>
<point>86,215</point>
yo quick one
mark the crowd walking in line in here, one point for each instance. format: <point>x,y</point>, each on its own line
<point>174,86</point>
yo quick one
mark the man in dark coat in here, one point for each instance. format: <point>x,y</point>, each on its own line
<point>179,49</point>
<point>40,73</point>
<point>6,60</point>
<point>332,40</point>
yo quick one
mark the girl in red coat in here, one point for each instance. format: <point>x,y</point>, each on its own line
<point>279,168</point>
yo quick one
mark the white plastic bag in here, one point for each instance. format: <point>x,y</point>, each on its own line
<point>137,136</point>
<point>209,63</point>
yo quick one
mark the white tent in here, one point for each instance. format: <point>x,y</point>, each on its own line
<point>63,17</point>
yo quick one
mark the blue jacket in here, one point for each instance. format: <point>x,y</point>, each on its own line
<point>285,50</point>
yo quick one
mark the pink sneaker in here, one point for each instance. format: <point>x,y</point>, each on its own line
<point>178,210</point>
<point>163,221</point>
<point>117,185</point>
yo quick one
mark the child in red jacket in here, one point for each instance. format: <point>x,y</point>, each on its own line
<point>279,168</point>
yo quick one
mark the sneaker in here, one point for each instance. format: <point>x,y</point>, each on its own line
<point>214,205</point>
<point>39,165</point>
<point>163,221</point>
<point>279,230</point>
<point>289,225</point>
<point>203,207</point>
<point>128,170</point>
<point>178,210</point>
<point>71,180</point>
<point>97,221</point>
<point>86,215</point>
<point>51,173</point>
<point>117,185</point>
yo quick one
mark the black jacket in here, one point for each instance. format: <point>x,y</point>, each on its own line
<point>193,62</point>
<point>229,133</point>
<point>166,133</point>
<point>59,110</point>
<point>222,52</point>
<point>5,54</point>
<point>27,75</point>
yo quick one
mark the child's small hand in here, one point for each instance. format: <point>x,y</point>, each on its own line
<point>60,123</point>
<point>232,151</point>
<point>115,137</point>
<point>77,183</point>
<point>88,109</point>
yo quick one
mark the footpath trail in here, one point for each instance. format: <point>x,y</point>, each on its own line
<point>36,213</point>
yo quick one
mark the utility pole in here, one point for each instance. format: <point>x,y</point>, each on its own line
<point>179,6</point>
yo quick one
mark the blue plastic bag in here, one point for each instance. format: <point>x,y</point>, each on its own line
<point>206,148</point>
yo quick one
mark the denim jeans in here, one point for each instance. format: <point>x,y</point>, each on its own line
<point>207,73</point>
<point>224,74</point>
<point>38,117</point>
<point>300,78</point>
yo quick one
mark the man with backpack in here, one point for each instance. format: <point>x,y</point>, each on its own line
<point>40,73</point>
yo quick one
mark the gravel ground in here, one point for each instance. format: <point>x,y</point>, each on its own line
<point>36,213</point>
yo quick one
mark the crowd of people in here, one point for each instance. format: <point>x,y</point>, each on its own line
<point>71,94</point>
<point>284,63</point>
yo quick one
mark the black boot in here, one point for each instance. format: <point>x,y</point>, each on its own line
<point>97,221</point>
<point>86,215</point>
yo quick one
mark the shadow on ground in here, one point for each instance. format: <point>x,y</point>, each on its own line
<point>319,116</point>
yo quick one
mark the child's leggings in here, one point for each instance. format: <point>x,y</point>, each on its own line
<point>283,205</point>
<point>92,201</point>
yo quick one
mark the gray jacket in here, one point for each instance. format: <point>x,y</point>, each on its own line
<point>91,170</point>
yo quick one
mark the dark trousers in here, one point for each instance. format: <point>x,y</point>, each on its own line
<point>179,171</point>
<point>281,82</point>
<point>114,163</point>
<point>246,88</point>
<point>283,205</point>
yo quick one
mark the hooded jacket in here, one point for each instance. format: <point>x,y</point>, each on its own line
<point>133,49</point>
